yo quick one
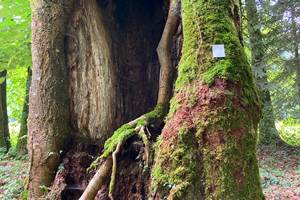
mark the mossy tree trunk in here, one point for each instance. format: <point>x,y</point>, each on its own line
<point>267,130</point>
<point>208,145</point>
<point>22,137</point>
<point>4,130</point>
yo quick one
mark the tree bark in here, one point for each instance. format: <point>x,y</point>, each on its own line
<point>22,137</point>
<point>207,147</point>
<point>267,130</point>
<point>4,130</point>
<point>164,51</point>
<point>94,68</point>
<point>48,121</point>
<point>114,44</point>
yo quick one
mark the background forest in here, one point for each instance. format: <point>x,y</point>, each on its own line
<point>271,35</point>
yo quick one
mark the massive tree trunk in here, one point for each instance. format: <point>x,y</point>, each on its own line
<point>207,148</point>
<point>4,131</point>
<point>267,130</point>
<point>94,68</point>
<point>22,137</point>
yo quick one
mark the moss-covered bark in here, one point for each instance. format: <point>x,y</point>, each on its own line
<point>267,130</point>
<point>207,148</point>
<point>22,137</point>
<point>4,131</point>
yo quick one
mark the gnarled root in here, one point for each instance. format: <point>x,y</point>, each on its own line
<point>113,147</point>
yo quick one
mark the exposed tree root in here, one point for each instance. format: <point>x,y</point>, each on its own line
<point>113,147</point>
<point>97,181</point>
<point>114,170</point>
<point>154,118</point>
<point>146,142</point>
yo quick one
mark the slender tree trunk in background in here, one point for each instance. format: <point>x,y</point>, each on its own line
<point>48,121</point>
<point>208,145</point>
<point>267,130</point>
<point>4,130</point>
<point>295,32</point>
<point>22,137</point>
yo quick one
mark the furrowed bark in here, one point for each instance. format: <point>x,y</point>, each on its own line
<point>111,80</point>
<point>207,147</point>
<point>48,121</point>
<point>267,130</point>
<point>4,130</point>
<point>22,137</point>
<point>154,117</point>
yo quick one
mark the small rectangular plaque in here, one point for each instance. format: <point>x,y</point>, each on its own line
<point>218,51</point>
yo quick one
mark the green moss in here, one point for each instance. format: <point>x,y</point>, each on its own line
<point>175,171</point>
<point>206,23</point>
<point>188,66</point>
<point>174,105</point>
<point>126,131</point>
<point>220,69</point>
<point>121,134</point>
<point>158,112</point>
<point>231,167</point>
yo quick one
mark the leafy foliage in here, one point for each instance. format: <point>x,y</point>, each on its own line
<point>16,89</point>
<point>280,26</point>
<point>15,54</point>
<point>15,33</point>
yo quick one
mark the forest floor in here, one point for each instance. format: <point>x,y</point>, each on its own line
<point>279,171</point>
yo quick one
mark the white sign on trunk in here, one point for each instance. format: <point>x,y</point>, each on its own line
<point>218,51</point>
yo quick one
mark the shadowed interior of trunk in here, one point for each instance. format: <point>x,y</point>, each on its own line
<point>113,65</point>
<point>113,78</point>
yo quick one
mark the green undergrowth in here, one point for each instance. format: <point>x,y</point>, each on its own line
<point>13,176</point>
